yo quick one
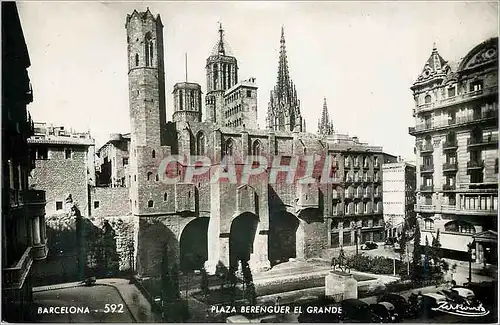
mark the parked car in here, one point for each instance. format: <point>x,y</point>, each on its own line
<point>369,245</point>
<point>429,301</point>
<point>358,311</point>
<point>485,290</point>
<point>390,241</point>
<point>465,296</point>
<point>400,304</point>
<point>385,311</point>
<point>397,246</point>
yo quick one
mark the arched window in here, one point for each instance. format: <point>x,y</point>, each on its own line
<point>459,226</point>
<point>346,224</point>
<point>148,49</point>
<point>137,60</point>
<point>200,144</point>
<point>157,178</point>
<point>153,154</point>
<point>229,147</point>
<point>149,175</point>
<point>256,148</point>
<point>150,204</point>
<point>427,99</point>
<point>334,225</point>
<point>165,197</point>
<point>429,224</point>
<point>364,223</point>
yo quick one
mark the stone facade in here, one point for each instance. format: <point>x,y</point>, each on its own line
<point>265,220</point>
<point>64,162</point>
<point>456,137</point>
<point>112,161</point>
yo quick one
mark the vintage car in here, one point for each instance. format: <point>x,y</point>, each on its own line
<point>399,302</point>
<point>369,245</point>
<point>358,311</point>
<point>385,311</point>
<point>430,301</point>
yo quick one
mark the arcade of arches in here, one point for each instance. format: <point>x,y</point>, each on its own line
<point>285,240</point>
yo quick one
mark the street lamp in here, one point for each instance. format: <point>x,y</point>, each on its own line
<point>472,255</point>
<point>356,235</point>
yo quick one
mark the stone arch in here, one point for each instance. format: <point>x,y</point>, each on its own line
<point>285,238</point>
<point>257,148</point>
<point>193,244</point>
<point>241,237</point>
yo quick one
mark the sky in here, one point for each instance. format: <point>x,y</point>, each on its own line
<point>362,56</point>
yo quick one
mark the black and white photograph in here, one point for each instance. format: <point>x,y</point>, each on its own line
<point>250,161</point>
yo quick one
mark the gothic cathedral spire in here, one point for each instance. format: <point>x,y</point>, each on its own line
<point>325,125</point>
<point>284,107</point>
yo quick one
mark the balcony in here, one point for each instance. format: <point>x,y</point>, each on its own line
<point>425,207</point>
<point>32,197</point>
<point>486,141</point>
<point>349,195</point>
<point>449,187</point>
<point>367,195</point>
<point>349,179</point>
<point>449,167</point>
<point>367,179</point>
<point>13,277</point>
<point>358,195</point>
<point>358,179</point>
<point>464,120</point>
<point>457,99</point>
<point>450,145</point>
<point>426,168</point>
<point>448,208</point>
<point>376,179</point>
<point>427,148</point>
<point>426,188</point>
<point>475,164</point>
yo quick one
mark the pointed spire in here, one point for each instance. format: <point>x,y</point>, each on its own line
<point>221,49</point>
<point>325,126</point>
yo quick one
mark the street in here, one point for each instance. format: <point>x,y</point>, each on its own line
<point>94,298</point>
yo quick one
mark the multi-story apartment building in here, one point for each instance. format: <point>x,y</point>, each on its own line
<point>265,220</point>
<point>64,162</point>
<point>456,136</point>
<point>399,195</point>
<point>23,209</point>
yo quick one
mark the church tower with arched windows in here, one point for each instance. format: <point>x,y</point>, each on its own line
<point>146,77</point>
<point>222,74</point>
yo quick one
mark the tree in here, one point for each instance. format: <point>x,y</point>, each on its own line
<point>204,282</point>
<point>417,255</point>
<point>248,282</point>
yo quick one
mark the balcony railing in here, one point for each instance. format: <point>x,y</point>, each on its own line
<point>367,179</point>
<point>426,168</point>
<point>450,166</point>
<point>475,164</point>
<point>450,145</point>
<point>486,115</point>
<point>457,98</point>
<point>32,197</point>
<point>426,188</point>
<point>425,207</point>
<point>358,179</point>
<point>336,196</point>
<point>489,140</point>
<point>358,194</point>
<point>337,213</point>
<point>428,147</point>
<point>349,195</point>
<point>448,208</point>
<point>448,187</point>
<point>349,179</point>
<point>367,195</point>
<point>376,179</point>
<point>13,277</point>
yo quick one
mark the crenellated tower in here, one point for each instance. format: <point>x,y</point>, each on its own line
<point>222,74</point>
<point>325,125</point>
<point>284,106</point>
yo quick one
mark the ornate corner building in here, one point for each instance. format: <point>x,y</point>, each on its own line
<point>23,209</point>
<point>456,136</point>
<point>208,223</point>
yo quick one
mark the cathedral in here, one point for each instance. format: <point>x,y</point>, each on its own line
<point>205,224</point>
